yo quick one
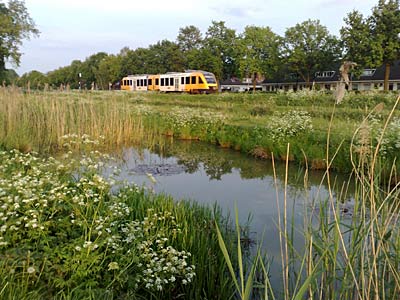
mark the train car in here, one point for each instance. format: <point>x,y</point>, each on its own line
<point>153,82</point>
<point>140,82</point>
<point>197,81</point>
<point>191,81</point>
<point>134,83</point>
<point>170,82</point>
<point>127,83</point>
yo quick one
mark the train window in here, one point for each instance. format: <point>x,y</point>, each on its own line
<point>210,79</point>
<point>145,82</point>
<point>150,81</point>
<point>200,80</point>
<point>162,81</point>
<point>171,81</point>
<point>141,82</point>
<point>187,80</point>
<point>193,80</point>
<point>138,82</point>
<point>182,80</point>
<point>123,82</point>
<point>130,82</point>
<point>157,81</point>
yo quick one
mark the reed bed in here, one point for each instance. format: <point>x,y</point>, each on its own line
<point>37,121</point>
<point>348,253</point>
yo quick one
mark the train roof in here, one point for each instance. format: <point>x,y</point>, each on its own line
<point>171,73</point>
<point>200,71</point>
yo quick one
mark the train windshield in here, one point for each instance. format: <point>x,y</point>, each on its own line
<point>210,78</point>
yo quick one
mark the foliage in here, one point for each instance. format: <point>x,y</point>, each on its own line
<point>34,79</point>
<point>10,77</point>
<point>108,71</point>
<point>310,48</point>
<point>374,40</point>
<point>189,38</point>
<point>65,234</point>
<point>221,42</point>
<point>356,40</point>
<point>164,57</point>
<point>16,25</point>
<point>259,52</point>
<point>289,124</point>
<point>258,123</point>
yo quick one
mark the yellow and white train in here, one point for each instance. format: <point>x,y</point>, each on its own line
<point>191,81</point>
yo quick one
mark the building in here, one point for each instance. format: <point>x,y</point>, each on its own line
<point>237,85</point>
<point>370,79</point>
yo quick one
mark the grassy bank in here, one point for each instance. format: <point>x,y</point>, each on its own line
<point>256,124</point>
<point>65,235</point>
<point>348,253</point>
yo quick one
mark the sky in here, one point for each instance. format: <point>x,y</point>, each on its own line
<point>76,29</point>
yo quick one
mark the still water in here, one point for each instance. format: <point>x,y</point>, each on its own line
<point>208,174</point>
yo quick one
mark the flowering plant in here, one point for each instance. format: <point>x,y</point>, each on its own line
<point>63,229</point>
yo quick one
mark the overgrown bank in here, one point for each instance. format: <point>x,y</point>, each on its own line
<point>66,235</point>
<point>256,124</point>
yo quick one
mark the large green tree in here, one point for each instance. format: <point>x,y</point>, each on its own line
<point>355,37</point>
<point>15,26</point>
<point>134,61</point>
<point>189,38</point>
<point>108,71</point>
<point>190,41</point>
<point>89,69</point>
<point>374,40</point>
<point>221,43</point>
<point>35,79</point>
<point>259,52</point>
<point>308,48</point>
<point>165,56</point>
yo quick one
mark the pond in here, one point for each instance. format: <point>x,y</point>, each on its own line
<point>209,174</point>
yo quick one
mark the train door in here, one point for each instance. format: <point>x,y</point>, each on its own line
<point>134,85</point>
<point>176,84</point>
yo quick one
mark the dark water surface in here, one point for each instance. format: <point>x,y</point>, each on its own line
<point>208,174</point>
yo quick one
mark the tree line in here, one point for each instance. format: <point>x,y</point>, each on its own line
<point>257,52</point>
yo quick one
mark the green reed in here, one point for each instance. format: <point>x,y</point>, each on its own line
<point>37,121</point>
<point>348,253</point>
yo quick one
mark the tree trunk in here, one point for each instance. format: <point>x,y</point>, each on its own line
<point>254,81</point>
<point>387,74</point>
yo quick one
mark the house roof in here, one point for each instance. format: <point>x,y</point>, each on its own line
<point>377,75</point>
<point>232,81</point>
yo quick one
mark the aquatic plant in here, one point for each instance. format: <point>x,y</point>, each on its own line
<point>65,234</point>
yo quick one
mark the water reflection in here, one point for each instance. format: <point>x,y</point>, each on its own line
<point>189,157</point>
<point>208,174</point>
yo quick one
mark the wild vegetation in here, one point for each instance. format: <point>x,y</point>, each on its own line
<point>67,235</point>
<point>256,124</point>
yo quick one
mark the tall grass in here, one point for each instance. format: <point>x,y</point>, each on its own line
<point>37,121</point>
<point>348,252</point>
